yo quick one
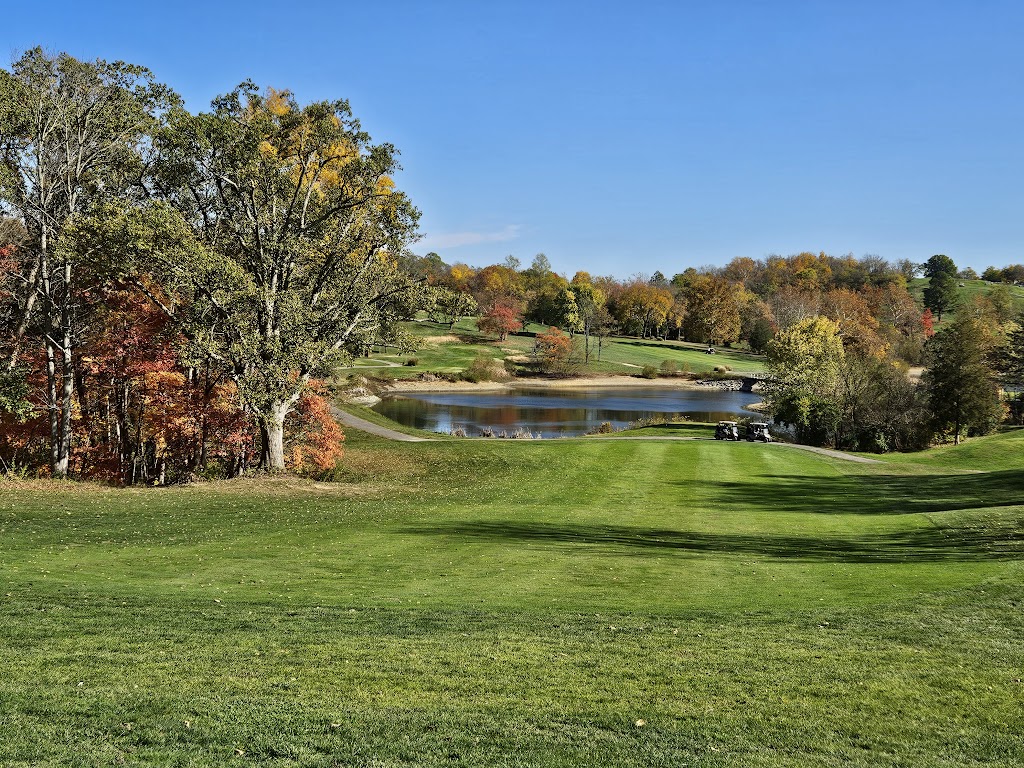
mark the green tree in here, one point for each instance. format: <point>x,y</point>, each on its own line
<point>939,264</point>
<point>941,294</point>
<point>589,302</point>
<point>72,134</point>
<point>451,306</point>
<point>301,228</point>
<point>805,362</point>
<point>960,380</point>
<point>1009,362</point>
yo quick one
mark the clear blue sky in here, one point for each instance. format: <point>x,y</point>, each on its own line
<point>633,137</point>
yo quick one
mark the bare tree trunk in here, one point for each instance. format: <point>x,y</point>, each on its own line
<point>52,407</point>
<point>67,397</point>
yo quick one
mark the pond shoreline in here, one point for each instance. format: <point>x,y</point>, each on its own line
<point>609,382</point>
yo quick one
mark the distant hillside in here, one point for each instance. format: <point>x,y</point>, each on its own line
<point>968,289</point>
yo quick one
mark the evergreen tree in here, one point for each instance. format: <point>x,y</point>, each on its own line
<point>960,381</point>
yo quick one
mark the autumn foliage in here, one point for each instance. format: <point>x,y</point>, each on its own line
<point>145,413</point>
<point>555,351</point>
<point>502,318</point>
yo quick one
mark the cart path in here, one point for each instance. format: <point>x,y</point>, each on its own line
<point>375,429</point>
<point>393,434</point>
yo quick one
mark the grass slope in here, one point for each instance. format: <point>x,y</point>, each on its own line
<point>441,351</point>
<point>968,289</point>
<point>557,603</point>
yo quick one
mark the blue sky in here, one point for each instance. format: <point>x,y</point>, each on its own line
<point>633,137</point>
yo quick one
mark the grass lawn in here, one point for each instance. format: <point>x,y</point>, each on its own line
<point>968,289</point>
<point>444,351</point>
<point>677,429</point>
<point>536,603</point>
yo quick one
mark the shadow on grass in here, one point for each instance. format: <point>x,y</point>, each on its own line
<point>870,494</point>
<point>922,545</point>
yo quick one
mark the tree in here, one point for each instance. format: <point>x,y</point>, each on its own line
<point>880,408</point>
<point>1009,362</point>
<point>641,308</point>
<point>589,302</point>
<point>297,228</point>
<point>451,306</point>
<point>71,132</point>
<point>857,326</point>
<point>604,326</point>
<point>942,293</point>
<point>712,313</point>
<point>960,381</point>
<point>496,283</point>
<point>549,303</point>
<point>791,305</point>
<point>805,362</point>
<point>554,350</point>
<point>894,306</point>
<point>927,324</point>
<point>939,264</point>
<point>501,319</point>
<point>992,275</point>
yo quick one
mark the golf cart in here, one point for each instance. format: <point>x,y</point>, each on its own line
<point>727,430</point>
<point>758,430</point>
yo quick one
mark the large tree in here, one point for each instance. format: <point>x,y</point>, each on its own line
<point>712,312</point>
<point>71,133</point>
<point>296,229</point>
<point>942,293</point>
<point>806,363</point>
<point>960,381</point>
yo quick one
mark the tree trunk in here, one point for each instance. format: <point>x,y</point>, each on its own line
<point>272,434</point>
<point>272,451</point>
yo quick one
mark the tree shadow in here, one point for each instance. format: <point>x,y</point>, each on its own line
<point>869,494</point>
<point>926,545</point>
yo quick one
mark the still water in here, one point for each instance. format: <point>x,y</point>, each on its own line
<point>559,412</point>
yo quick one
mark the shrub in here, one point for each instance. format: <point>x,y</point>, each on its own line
<point>413,361</point>
<point>555,352</point>
<point>649,372</point>
<point>605,428</point>
<point>669,368</point>
<point>481,369</point>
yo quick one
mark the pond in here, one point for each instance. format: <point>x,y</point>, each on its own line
<point>560,412</point>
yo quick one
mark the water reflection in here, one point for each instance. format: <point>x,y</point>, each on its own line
<point>556,413</point>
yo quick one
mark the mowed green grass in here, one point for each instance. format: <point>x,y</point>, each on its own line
<point>506,603</point>
<point>441,351</point>
<point>967,290</point>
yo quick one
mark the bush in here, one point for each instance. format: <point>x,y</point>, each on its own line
<point>481,369</point>
<point>669,368</point>
<point>649,372</point>
<point>605,428</point>
<point>413,361</point>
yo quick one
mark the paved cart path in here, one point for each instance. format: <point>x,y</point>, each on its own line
<point>375,429</point>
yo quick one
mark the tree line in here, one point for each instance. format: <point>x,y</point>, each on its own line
<point>841,333</point>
